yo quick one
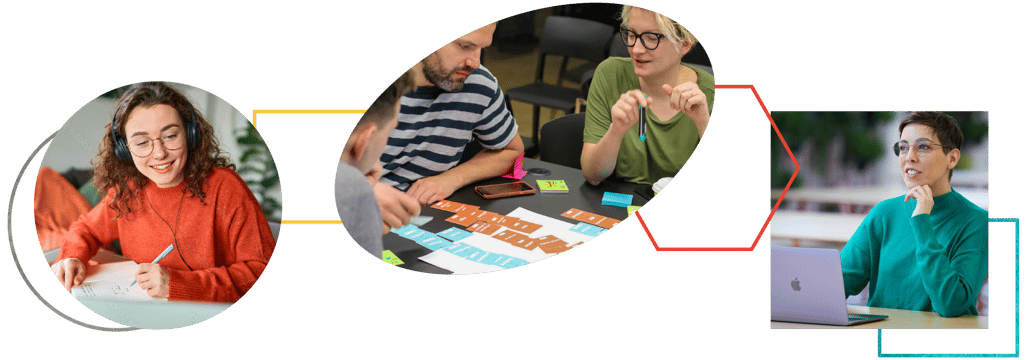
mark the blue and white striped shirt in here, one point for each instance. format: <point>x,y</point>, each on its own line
<point>435,126</point>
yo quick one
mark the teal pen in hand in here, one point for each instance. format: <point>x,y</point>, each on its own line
<point>641,120</point>
<point>161,256</point>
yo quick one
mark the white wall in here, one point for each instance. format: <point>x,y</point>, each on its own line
<point>76,143</point>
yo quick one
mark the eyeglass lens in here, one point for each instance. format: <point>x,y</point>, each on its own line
<point>649,40</point>
<point>142,146</point>
<point>922,147</point>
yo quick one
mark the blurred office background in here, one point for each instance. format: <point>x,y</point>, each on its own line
<point>513,59</point>
<point>848,166</point>
<point>74,146</point>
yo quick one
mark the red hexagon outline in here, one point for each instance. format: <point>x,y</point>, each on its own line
<point>638,214</point>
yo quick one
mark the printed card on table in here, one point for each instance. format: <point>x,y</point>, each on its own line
<point>461,219</point>
<point>434,243</point>
<point>453,206</point>
<point>483,227</point>
<point>454,234</point>
<point>507,235</point>
<point>597,220</point>
<point>573,214</point>
<point>592,218</point>
<point>407,231</point>
<point>552,244</point>
<point>477,213</point>
<point>525,226</point>
<point>500,220</point>
<point>587,229</point>
<point>608,223</point>
<point>524,242</point>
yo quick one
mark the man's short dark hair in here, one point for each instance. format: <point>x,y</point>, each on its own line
<point>383,108</point>
<point>944,128</point>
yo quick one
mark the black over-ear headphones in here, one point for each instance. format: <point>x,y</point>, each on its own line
<point>192,135</point>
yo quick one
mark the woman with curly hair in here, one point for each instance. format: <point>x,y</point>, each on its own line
<point>168,186</point>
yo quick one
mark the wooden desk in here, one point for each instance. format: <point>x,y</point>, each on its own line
<point>582,196</point>
<point>898,319</point>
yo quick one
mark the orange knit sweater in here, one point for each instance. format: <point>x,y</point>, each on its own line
<point>226,241</point>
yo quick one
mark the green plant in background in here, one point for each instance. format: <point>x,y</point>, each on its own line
<point>853,129</point>
<point>258,169</point>
<point>974,126</point>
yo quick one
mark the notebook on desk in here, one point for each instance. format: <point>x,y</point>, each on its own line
<point>806,286</point>
<point>111,281</point>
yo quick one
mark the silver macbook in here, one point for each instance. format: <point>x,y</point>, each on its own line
<point>806,287</point>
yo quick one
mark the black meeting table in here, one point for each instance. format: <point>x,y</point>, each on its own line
<point>582,196</point>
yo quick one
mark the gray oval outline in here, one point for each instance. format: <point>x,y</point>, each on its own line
<point>10,236</point>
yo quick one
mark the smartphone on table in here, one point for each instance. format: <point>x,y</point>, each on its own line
<point>504,190</point>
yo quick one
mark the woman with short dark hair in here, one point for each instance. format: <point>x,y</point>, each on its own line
<point>926,250</point>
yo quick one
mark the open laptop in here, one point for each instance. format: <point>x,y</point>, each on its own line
<point>806,287</point>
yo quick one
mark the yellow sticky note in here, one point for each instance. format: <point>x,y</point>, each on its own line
<point>632,209</point>
<point>391,258</point>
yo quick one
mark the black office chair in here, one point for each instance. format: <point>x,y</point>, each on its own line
<point>562,140</point>
<point>561,36</point>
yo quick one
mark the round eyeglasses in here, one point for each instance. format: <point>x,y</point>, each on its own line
<point>142,146</point>
<point>650,40</point>
<point>922,147</point>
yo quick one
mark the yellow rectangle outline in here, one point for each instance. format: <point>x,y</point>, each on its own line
<point>255,112</point>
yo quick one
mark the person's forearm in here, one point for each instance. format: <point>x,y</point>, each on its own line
<point>599,160</point>
<point>486,164</point>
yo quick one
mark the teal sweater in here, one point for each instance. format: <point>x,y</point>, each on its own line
<point>930,262</point>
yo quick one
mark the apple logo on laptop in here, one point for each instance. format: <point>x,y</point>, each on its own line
<point>795,285</point>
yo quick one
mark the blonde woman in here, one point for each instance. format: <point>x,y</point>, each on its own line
<point>677,99</point>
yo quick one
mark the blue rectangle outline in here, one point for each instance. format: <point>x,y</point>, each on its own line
<point>1016,291</point>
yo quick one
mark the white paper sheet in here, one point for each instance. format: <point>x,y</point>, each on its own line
<point>550,226</point>
<point>111,282</point>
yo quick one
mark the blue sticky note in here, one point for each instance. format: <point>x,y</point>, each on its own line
<point>587,229</point>
<point>455,234</point>
<point>617,199</point>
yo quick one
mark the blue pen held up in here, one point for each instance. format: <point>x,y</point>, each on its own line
<point>641,120</point>
<point>161,256</point>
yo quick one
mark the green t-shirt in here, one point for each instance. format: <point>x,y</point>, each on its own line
<point>929,262</point>
<point>668,144</point>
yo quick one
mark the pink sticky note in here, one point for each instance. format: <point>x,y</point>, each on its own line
<point>517,172</point>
